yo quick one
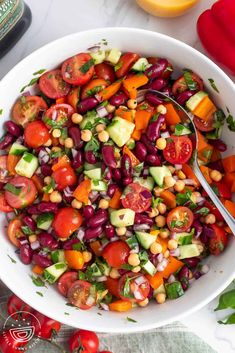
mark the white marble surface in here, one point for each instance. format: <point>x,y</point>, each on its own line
<point>55,18</point>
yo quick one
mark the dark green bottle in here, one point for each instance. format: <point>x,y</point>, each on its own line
<point>15,18</point>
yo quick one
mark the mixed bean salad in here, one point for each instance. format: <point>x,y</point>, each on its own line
<point>97,186</point>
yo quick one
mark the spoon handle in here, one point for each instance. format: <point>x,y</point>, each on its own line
<point>224,212</point>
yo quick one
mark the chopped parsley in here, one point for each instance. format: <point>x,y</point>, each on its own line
<point>178,224</point>
<point>26,230</point>
<point>12,260</point>
<point>143,106</point>
<point>65,313</point>
<point>130,319</point>
<point>181,199</point>
<point>231,122</point>
<point>204,211</point>
<point>31,83</point>
<point>92,145</point>
<point>40,293</point>
<point>38,281</point>
<point>54,124</point>
<point>1,111</point>
<point>192,85</point>
<point>13,189</point>
<point>155,202</point>
<point>118,66</point>
<point>213,85</point>
<point>93,91</point>
<point>39,72</point>
<point>86,67</point>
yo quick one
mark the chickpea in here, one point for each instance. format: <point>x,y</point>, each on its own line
<point>32,238</point>
<point>215,175</point>
<point>110,108</point>
<point>68,142</point>
<point>164,233</point>
<point>153,213</point>
<point>166,254</point>
<point>56,149</point>
<point>161,109</point>
<point>48,143</point>
<point>169,181</point>
<point>76,204</point>
<point>157,191</point>
<point>160,221</point>
<point>172,244</point>
<point>132,103</point>
<point>210,219</point>
<point>161,143</point>
<point>181,175</point>
<point>87,256</point>
<point>143,303</point>
<point>77,118</point>
<point>114,273</point>
<point>61,141</point>
<point>56,133</point>
<point>161,208</point>
<point>133,260</point>
<point>47,180</point>
<point>121,231</point>
<point>179,185</point>
<point>104,204</point>
<point>55,197</point>
<point>136,269</point>
<point>86,135</point>
<point>100,127</point>
<point>160,298</point>
<point>155,248</point>
<point>103,136</point>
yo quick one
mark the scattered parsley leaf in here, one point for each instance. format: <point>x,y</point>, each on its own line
<point>39,72</point>
<point>226,300</point>
<point>66,313</point>
<point>93,91</point>
<point>40,293</point>
<point>1,111</point>
<point>13,189</point>
<point>38,281</point>
<point>31,83</point>
<point>213,85</point>
<point>26,230</point>
<point>231,122</point>
<point>204,211</point>
<point>54,124</point>
<point>143,106</point>
<point>192,85</point>
<point>181,199</point>
<point>130,319</point>
<point>99,314</point>
<point>155,202</point>
<point>12,260</point>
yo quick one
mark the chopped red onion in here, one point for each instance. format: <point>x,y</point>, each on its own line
<point>175,252</point>
<point>93,196</point>
<point>35,245</point>
<point>38,171</point>
<point>160,268</point>
<point>20,140</point>
<point>104,306</point>
<point>140,97</point>
<point>171,279</point>
<point>101,279</point>
<point>26,94</point>
<point>128,233</point>
<point>160,257</point>
<point>173,235</point>
<point>200,200</point>
<point>146,194</point>
<point>68,192</point>
<point>136,250</point>
<point>165,134</point>
<point>175,177</point>
<point>140,280</point>
<point>43,157</point>
<point>94,49</point>
<point>178,166</point>
<point>98,97</point>
<point>189,182</point>
<point>74,152</point>
<point>138,295</point>
<point>54,113</point>
<point>113,239</point>
<point>90,300</point>
<point>10,216</point>
<point>23,240</point>
<point>80,233</point>
<point>205,269</point>
<point>102,111</point>
<point>139,227</point>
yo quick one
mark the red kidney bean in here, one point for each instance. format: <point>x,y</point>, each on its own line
<point>30,222</point>
<point>140,151</point>
<point>153,130</point>
<point>33,210</point>
<point>91,233</point>
<point>77,160</point>
<point>75,133</point>
<point>127,180</point>
<point>47,207</point>
<point>184,96</point>
<point>47,240</point>
<point>68,244</point>
<point>197,274</point>
<point>158,84</point>
<point>126,165</point>
<point>141,219</point>
<point>117,175</point>
<point>41,260</point>
<point>13,128</point>
<point>118,99</point>
<point>88,211</point>
<point>218,144</point>
<point>153,159</point>
<point>107,175</point>
<point>183,273</point>
<point>87,104</point>
<point>108,156</point>
<point>167,72</point>
<point>6,141</point>
<point>150,148</point>
<point>218,165</point>
<point>109,230</point>
<point>111,189</point>
<point>26,254</point>
<point>167,91</point>
<point>100,218</point>
<point>46,170</point>
<point>192,262</point>
<point>153,99</point>
<point>90,157</point>
<point>157,69</point>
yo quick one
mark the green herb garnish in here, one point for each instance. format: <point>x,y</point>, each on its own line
<point>38,281</point>
<point>213,85</point>
<point>12,260</point>
<point>130,319</point>
<point>40,293</point>
<point>86,67</point>
<point>26,230</point>
<point>31,83</point>
<point>204,211</point>
<point>16,190</point>
<point>227,301</point>
<point>231,122</point>
<point>39,72</point>
<point>192,85</point>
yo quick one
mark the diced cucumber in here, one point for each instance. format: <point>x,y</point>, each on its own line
<point>120,130</point>
<point>159,173</point>
<point>58,256</point>
<point>88,122</point>
<point>130,144</point>
<point>104,267</point>
<point>98,56</point>
<point>174,290</point>
<point>146,239</point>
<point>88,166</point>
<point>147,183</point>
<point>149,267</point>
<point>160,289</point>
<point>184,238</point>
<point>95,270</point>
<point>44,220</point>
<point>180,130</point>
<point>53,272</point>
<point>195,100</point>
<point>132,242</point>
<point>27,165</point>
<point>122,218</point>
<point>17,149</point>
<point>99,185</point>
<point>190,250</point>
<point>140,65</point>
<point>114,56</point>
<point>94,174</point>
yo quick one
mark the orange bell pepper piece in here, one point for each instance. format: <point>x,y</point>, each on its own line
<point>205,109</point>
<point>62,162</point>
<point>173,266</point>
<point>12,160</point>
<point>229,163</point>
<point>46,197</point>
<point>109,91</point>
<point>115,201</point>
<point>74,259</point>
<point>134,160</point>
<point>156,280</point>
<point>38,183</point>
<point>172,117</point>
<point>132,83</point>
<point>124,114</point>
<point>96,247</point>
<point>113,286</point>
<point>120,305</point>
<point>206,172</point>
<point>229,179</point>
<point>142,118</point>
<point>38,270</point>
<point>230,207</point>
<point>136,134</point>
<point>82,191</point>
<point>169,198</point>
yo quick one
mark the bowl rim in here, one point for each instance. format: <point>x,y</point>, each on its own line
<point>128,329</point>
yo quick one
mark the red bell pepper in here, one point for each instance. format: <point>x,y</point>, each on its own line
<point>216,31</point>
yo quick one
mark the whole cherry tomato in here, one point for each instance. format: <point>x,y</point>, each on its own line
<point>36,134</point>
<point>64,176</point>
<point>84,341</point>
<point>116,253</point>
<point>9,345</point>
<point>66,221</point>
<point>47,327</point>
<point>16,305</point>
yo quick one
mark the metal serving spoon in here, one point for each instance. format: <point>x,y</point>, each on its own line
<point>194,161</point>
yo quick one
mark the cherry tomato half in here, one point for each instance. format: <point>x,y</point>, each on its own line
<point>66,221</point>
<point>93,87</point>
<point>14,231</point>
<point>222,190</point>
<point>27,108</point>
<point>73,97</point>
<point>47,327</point>
<point>106,72</point>
<point>180,84</point>
<point>219,241</point>
<point>179,219</point>
<point>66,281</point>
<point>36,134</point>
<point>4,174</point>
<point>4,207</point>
<point>84,341</point>
<point>134,287</point>
<point>78,69</point>
<point>16,306</point>
<point>137,198</point>
<point>213,209</point>
<point>203,125</point>
<point>51,84</point>
<point>178,150</point>
<point>64,176</point>
<point>59,113</point>
<point>116,253</point>
<point>113,286</point>
<point>80,295</point>
<point>23,192</point>
<point>125,63</point>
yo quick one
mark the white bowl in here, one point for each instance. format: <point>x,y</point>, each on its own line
<point>17,276</point>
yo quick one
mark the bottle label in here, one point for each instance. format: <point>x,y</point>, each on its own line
<point>11,12</point>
